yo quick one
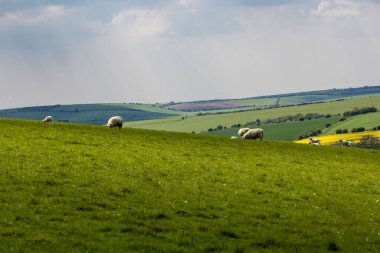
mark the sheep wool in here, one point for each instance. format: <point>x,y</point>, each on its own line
<point>254,134</point>
<point>115,121</point>
<point>48,120</point>
<point>242,131</point>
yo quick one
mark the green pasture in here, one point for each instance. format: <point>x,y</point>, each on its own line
<point>287,131</point>
<point>202,123</point>
<point>82,188</point>
<point>367,121</point>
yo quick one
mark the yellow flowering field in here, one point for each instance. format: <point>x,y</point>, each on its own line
<point>332,139</point>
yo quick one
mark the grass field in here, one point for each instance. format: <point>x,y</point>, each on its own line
<point>202,123</point>
<point>368,121</point>
<point>288,131</point>
<point>81,188</point>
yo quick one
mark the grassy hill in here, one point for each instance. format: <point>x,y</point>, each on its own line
<point>275,100</point>
<point>97,114</point>
<point>202,123</point>
<point>367,121</point>
<point>287,131</point>
<point>83,188</point>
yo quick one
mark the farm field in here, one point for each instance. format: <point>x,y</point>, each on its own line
<point>367,121</point>
<point>202,123</point>
<point>334,138</point>
<point>268,101</point>
<point>288,131</point>
<point>83,188</point>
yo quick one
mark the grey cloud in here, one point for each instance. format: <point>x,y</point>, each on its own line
<point>203,51</point>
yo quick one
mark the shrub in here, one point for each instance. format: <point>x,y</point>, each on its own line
<point>328,116</point>
<point>342,119</point>
<point>338,131</point>
<point>345,131</point>
<point>357,130</point>
<point>369,141</point>
<point>328,125</point>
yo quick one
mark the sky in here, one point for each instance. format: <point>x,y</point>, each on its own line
<point>133,51</point>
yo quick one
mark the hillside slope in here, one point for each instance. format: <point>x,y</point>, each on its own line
<point>202,123</point>
<point>76,188</point>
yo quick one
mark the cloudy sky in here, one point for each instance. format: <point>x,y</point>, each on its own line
<point>89,51</point>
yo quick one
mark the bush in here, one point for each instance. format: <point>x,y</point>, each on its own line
<point>338,131</point>
<point>362,110</point>
<point>345,131</point>
<point>328,116</point>
<point>369,141</point>
<point>328,125</point>
<point>357,130</point>
<point>342,119</point>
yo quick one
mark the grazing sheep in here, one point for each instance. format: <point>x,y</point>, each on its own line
<point>233,137</point>
<point>254,134</point>
<point>315,143</point>
<point>115,121</point>
<point>48,120</point>
<point>242,131</point>
<point>345,143</point>
<point>312,140</point>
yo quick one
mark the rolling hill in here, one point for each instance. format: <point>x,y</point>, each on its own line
<point>83,188</point>
<point>97,114</point>
<point>202,123</point>
<point>275,100</point>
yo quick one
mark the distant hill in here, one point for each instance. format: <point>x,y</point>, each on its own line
<point>96,114</point>
<point>274,100</point>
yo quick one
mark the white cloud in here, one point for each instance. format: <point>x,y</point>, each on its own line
<point>32,16</point>
<point>337,8</point>
<point>127,52</point>
<point>140,22</point>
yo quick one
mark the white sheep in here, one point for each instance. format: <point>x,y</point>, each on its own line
<point>233,137</point>
<point>345,143</point>
<point>315,143</point>
<point>48,120</point>
<point>115,121</point>
<point>254,134</point>
<point>312,140</point>
<point>242,131</point>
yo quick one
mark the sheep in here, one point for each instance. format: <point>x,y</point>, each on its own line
<point>242,131</point>
<point>254,134</point>
<point>233,137</point>
<point>312,140</point>
<point>48,120</point>
<point>345,143</point>
<point>115,121</point>
<point>315,143</point>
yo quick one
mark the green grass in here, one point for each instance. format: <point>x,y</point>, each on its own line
<point>367,121</point>
<point>202,123</point>
<point>72,188</point>
<point>288,131</point>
